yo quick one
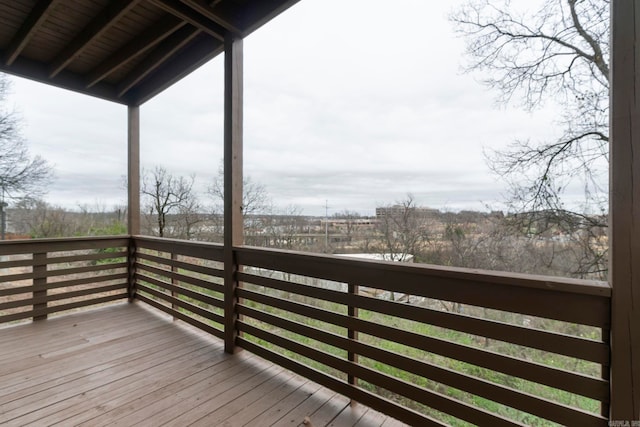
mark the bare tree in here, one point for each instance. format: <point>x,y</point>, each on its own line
<point>403,229</point>
<point>559,52</point>
<point>166,194</point>
<point>20,173</point>
<point>255,198</point>
<point>189,219</point>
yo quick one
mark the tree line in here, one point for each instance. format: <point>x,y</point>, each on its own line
<point>402,231</point>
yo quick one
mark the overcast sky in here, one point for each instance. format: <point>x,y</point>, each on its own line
<point>349,102</point>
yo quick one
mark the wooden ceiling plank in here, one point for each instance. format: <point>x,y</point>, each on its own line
<point>157,56</point>
<point>181,11</point>
<point>36,17</point>
<point>33,70</point>
<point>225,20</point>
<point>145,41</point>
<point>96,27</point>
<point>201,50</point>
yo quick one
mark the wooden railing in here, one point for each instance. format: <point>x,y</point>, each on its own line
<point>183,279</point>
<point>432,345</point>
<point>41,277</point>
<point>426,345</point>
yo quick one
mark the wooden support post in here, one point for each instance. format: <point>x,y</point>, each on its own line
<point>40,283</point>
<point>624,220</point>
<point>352,333</point>
<point>133,171</point>
<point>233,225</point>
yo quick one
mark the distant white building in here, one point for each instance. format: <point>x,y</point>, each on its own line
<point>380,257</point>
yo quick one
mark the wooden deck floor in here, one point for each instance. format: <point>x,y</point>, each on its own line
<point>129,364</point>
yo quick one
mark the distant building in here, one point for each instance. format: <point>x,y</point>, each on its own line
<point>379,257</point>
<point>397,210</point>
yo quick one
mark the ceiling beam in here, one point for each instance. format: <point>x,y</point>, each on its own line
<point>140,44</point>
<point>176,8</point>
<point>250,18</point>
<point>38,15</point>
<point>203,7</point>
<point>157,57</point>
<point>33,70</point>
<point>201,50</point>
<point>110,14</point>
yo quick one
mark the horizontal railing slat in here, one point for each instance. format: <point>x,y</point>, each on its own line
<point>62,307</point>
<point>81,270</point>
<point>181,277</point>
<point>16,263</point>
<point>388,407</point>
<point>178,315</point>
<point>567,345</point>
<point>62,284</point>
<point>426,397</point>
<point>542,374</point>
<point>183,291</point>
<point>86,257</point>
<point>16,277</point>
<point>210,271</point>
<point>522,401</point>
<point>182,304</point>
<point>60,296</point>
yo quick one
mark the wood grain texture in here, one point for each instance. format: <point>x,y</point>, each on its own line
<point>129,364</point>
<point>624,170</point>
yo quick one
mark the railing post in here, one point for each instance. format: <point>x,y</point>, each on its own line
<point>131,269</point>
<point>233,223</point>
<point>40,283</point>
<point>605,372</point>
<point>352,311</point>
<point>174,269</point>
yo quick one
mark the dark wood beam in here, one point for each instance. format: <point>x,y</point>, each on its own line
<point>204,8</point>
<point>38,15</point>
<point>233,222</point>
<point>142,43</point>
<point>158,56</point>
<point>250,18</point>
<point>32,70</point>
<point>201,50</point>
<point>114,11</point>
<point>199,21</point>
<point>624,211</point>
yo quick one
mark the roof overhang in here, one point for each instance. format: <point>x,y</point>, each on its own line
<point>125,51</point>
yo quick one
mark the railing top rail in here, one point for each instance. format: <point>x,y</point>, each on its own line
<point>12,247</point>
<point>561,284</point>
<point>296,264</point>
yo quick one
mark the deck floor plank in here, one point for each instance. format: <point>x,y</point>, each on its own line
<point>39,377</point>
<point>107,405</point>
<point>96,401</point>
<point>130,364</point>
<point>311,404</point>
<point>324,415</point>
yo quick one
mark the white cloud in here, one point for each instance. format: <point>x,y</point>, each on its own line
<point>358,107</point>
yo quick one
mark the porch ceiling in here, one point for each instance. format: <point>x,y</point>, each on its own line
<point>125,51</point>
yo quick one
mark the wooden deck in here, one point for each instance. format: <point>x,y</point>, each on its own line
<point>129,364</point>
